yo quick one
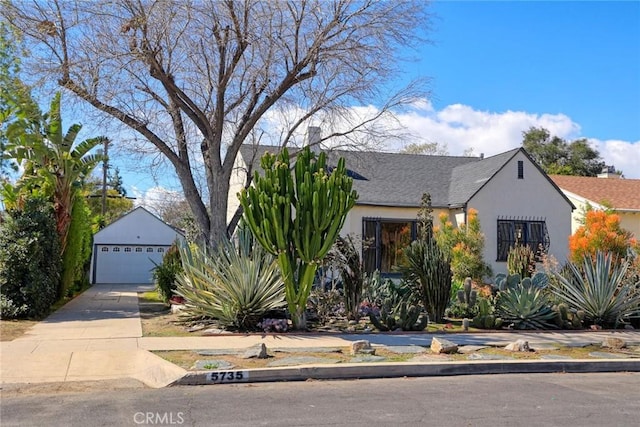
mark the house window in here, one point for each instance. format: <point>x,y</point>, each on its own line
<point>127,249</point>
<point>116,249</point>
<point>520,169</point>
<point>104,249</point>
<point>512,232</point>
<point>160,249</point>
<point>383,241</point>
<point>149,249</point>
<point>138,249</point>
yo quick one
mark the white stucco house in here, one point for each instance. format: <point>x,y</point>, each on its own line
<point>606,191</point>
<point>125,251</point>
<point>514,199</point>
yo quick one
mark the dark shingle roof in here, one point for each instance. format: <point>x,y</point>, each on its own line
<point>467,179</point>
<point>392,179</point>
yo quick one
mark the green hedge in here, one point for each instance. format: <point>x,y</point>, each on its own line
<point>30,261</point>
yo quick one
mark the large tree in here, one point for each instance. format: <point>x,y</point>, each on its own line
<point>197,79</point>
<point>557,156</point>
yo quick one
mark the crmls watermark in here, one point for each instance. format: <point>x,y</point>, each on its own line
<point>159,418</point>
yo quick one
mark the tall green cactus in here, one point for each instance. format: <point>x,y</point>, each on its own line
<point>297,216</point>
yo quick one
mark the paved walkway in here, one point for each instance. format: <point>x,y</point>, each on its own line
<point>98,336</point>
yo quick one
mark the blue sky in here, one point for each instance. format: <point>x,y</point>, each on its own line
<point>581,59</point>
<point>498,68</point>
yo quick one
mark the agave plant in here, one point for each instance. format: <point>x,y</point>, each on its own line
<point>599,289</point>
<point>234,285</point>
<point>526,307</point>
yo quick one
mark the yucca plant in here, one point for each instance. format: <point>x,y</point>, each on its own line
<point>526,307</point>
<point>234,285</point>
<point>599,289</point>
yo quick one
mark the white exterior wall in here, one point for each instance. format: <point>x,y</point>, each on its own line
<point>141,240</point>
<point>236,183</point>
<point>630,221</point>
<point>533,197</point>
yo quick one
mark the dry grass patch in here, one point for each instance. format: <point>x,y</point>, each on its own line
<point>12,329</point>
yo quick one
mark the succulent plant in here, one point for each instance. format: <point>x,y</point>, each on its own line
<point>526,307</point>
<point>405,316</point>
<point>485,318</point>
<point>521,260</point>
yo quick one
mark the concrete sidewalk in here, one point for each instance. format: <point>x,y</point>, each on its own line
<point>93,337</point>
<point>98,336</point>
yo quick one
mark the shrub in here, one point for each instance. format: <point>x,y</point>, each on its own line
<point>600,232</point>
<point>30,262</point>
<point>464,246</point>
<point>598,288</point>
<point>164,274</point>
<point>233,286</point>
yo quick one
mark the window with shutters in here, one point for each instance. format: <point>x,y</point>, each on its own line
<point>530,232</point>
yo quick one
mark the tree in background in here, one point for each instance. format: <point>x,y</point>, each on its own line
<point>601,232</point>
<point>428,148</point>
<point>557,156</point>
<point>464,246</point>
<point>55,166</point>
<point>199,79</point>
<point>297,216</point>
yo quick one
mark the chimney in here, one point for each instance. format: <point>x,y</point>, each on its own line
<point>609,172</point>
<point>314,134</point>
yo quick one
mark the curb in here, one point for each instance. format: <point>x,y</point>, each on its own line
<point>400,369</point>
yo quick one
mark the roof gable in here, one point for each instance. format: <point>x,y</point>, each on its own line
<point>138,226</point>
<point>621,194</point>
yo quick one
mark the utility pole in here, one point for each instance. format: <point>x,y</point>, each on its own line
<point>105,169</point>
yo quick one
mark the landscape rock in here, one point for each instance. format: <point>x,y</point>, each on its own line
<point>405,349</point>
<point>367,358</point>
<point>613,342</point>
<point>441,345</point>
<point>213,331</point>
<point>468,349</point>
<point>362,347</point>
<point>256,352</point>
<point>520,345</point>
<point>482,356</point>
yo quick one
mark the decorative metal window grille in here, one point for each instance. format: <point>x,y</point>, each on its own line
<point>522,231</point>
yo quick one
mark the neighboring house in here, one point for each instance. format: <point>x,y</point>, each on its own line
<point>514,198</point>
<point>607,191</point>
<point>125,251</point>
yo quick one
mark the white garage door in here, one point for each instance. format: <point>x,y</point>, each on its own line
<point>127,263</point>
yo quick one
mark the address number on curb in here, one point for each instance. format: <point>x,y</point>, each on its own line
<point>228,376</point>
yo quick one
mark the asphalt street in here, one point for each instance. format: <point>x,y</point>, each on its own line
<point>604,399</point>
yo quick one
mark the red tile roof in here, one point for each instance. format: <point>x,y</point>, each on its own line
<point>621,194</point>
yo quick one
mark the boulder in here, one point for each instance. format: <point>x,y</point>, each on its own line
<point>613,342</point>
<point>362,347</point>
<point>441,345</point>
<point>256,352</point>
<point>520,345</point>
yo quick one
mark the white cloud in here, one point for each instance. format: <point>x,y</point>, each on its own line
<point>155,198</point>
<point>461,127</point>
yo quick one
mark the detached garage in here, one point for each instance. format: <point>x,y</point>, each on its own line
<point>125,251</point>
